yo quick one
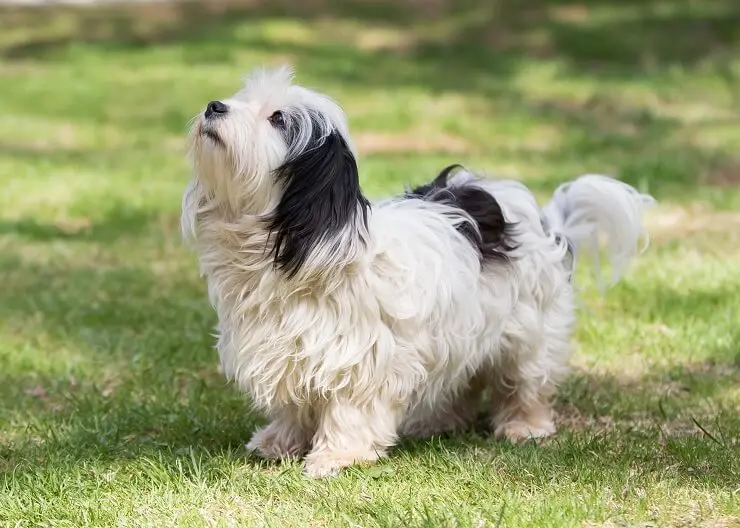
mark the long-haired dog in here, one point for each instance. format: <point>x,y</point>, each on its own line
<point>350,324</point>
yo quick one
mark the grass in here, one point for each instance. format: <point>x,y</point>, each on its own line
<point>112,412</point>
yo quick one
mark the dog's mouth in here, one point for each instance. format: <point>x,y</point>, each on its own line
<point>213,136</point>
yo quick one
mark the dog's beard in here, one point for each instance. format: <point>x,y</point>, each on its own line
<point>210,134</point>
<point>207,133</point>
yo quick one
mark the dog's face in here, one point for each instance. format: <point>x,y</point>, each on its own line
<point>280,153</point>
<point>240,144</point>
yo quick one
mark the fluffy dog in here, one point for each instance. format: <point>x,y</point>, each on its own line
<point>349,324</point>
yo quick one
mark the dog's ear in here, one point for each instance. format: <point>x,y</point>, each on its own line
<point>321,198</point>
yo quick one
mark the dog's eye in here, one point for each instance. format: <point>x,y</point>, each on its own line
<point>277,119</point>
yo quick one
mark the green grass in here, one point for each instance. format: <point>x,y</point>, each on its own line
<point>112,412</point>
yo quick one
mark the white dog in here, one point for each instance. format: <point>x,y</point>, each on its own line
<point>349,324</point>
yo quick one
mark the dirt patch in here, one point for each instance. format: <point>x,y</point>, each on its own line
<point>385,39</point>
<point>571,418</point>
<point>568,417</point>
<point>725,175</point>
<point>668,224</point>
<point>573,13</point>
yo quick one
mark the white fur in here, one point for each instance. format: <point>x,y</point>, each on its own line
<point>389,329</point>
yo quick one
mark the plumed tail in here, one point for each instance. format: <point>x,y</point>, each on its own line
<point>595,207</point>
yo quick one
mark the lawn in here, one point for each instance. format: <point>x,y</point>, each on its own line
<point>112,410</point>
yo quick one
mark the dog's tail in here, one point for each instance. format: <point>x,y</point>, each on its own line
<point>593,207</point>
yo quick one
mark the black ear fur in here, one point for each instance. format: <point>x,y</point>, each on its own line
<point>321,196</point>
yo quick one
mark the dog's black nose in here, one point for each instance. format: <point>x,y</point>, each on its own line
<point>216,107</point>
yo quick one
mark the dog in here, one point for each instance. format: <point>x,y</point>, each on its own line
<point>350,323</point>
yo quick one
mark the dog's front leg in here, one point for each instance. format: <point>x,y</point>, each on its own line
<point>350,434</point>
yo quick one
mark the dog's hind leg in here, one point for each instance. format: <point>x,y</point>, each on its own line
<point>533,361</point>
<point>521,413</point>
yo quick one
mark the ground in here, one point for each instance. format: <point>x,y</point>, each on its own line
<point>112,410</point>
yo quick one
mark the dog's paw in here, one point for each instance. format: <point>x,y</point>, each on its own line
<point>518,431</point>
<point>322,464</point>
<point>277,442</point>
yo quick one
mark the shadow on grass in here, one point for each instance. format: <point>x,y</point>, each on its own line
<point>624,37</point>
<point>143,377</point>
<point>156,394</point>
<point>108,310</point>
<point>120,222</point>
<point>110,432</point>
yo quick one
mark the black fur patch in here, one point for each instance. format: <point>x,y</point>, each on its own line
<point>321,196</point>
<point>440,182</point>
<point>494,237</point>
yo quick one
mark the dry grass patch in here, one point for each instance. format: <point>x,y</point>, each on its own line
<point>667,224</point>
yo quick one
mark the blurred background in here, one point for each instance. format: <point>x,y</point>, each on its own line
<point>648,90</point>
<point>106,351</point>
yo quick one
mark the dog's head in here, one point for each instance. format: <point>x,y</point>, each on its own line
<point>281,153</point>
